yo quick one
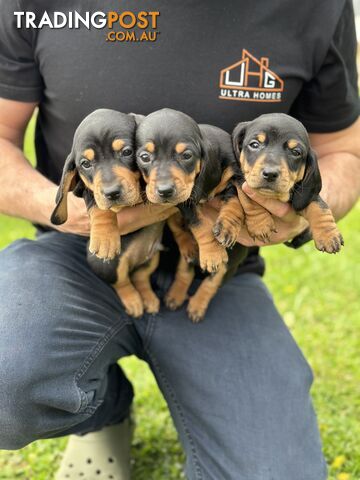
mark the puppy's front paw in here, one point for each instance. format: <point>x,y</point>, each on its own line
<point>105,247</point>
<point>329,241</point>
<point>151,302</point>
<point>196,309</point>
<point>260,226</point>
<point>212,256</point>
<point>188,248</point>
<point>175,297</point>
<point>133,304</point>
<point>226,231</point>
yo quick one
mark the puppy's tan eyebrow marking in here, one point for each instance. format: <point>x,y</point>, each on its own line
<point>180,147</point>
<point>261,137</point>
<point>292,143</point>
<point>118,144</point>
<point>89,154</point>
<point>150,147</point>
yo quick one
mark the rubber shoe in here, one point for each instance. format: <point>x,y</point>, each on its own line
<point>104,454</point>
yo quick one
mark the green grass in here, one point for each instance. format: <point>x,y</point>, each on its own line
<point>318,297</point>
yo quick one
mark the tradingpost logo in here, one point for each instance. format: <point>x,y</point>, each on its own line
<point>127,26</point>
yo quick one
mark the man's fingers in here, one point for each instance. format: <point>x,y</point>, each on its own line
<point>139,216</point>
<point>275,207</point>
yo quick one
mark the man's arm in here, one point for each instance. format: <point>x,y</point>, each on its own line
<point>339,161</point>
<point>24,192</point>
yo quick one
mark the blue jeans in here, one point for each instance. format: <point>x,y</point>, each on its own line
<point>237,385</point>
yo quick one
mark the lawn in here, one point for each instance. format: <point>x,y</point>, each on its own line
<point>318,296</point>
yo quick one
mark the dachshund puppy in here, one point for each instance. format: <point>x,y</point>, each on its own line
<point>186,164</point>
<point>276,160</point>
<point>101,168</point>
<point>101,161</point>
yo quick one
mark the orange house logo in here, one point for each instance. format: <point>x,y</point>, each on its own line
<point>250,80</point>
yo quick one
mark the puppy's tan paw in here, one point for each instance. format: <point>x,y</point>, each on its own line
<point>260,226</point>
<point>133,304</point>
<point>175,298</point>
<point>329,241</point>
<point>107,247</point>
<point>212,256</point>
<point>151,303</point>
<point>226,232</point>
<point>196,310</point>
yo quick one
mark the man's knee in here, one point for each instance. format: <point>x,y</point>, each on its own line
<point>28,376</point>
<point>36,401</point>
<point>18,412</point>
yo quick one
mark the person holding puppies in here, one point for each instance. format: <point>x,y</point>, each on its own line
<point>236,384</point>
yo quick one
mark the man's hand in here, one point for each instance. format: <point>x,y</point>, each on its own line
<point>288,223</point>
<point>131,219</point>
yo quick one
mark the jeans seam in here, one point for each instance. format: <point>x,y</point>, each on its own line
<point>97,349</point>
<point>149,330</point>
<point>195,456</point>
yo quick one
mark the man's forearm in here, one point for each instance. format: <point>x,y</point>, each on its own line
<point>24,192</point>
<point>341,181</point>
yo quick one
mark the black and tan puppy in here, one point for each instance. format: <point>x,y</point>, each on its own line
<point>101,168</point>
<point>186,164</point>
<point>277,161</point>
<point>102,159</point>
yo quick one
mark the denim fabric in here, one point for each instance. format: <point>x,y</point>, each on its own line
<point>237,385</point>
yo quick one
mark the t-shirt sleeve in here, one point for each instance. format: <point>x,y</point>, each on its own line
<point>330,101</point>
<point>20,77</point>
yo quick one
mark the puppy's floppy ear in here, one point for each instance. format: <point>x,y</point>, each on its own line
<point>210,169</point>
<point>68,182</point>
<point>238,136</point>
<point>309,187</point>
<point>138,118</point>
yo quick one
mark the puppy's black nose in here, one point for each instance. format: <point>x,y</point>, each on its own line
<point>166,190</point>
<point>112,193</point>
<point>270,174</point>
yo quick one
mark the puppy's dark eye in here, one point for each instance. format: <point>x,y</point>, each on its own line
<point>254,145</point>
<point>85,164</point>
<point>296,152</point>
<point>127,152</point>
<point>187,155</point>
<point>145,157</point>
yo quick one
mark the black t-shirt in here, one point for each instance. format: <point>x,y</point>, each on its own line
<point>220,62</point>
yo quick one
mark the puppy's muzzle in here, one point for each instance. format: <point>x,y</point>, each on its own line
<point>270,174</point>
<point>112,193</point>
<point>166,190</point>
